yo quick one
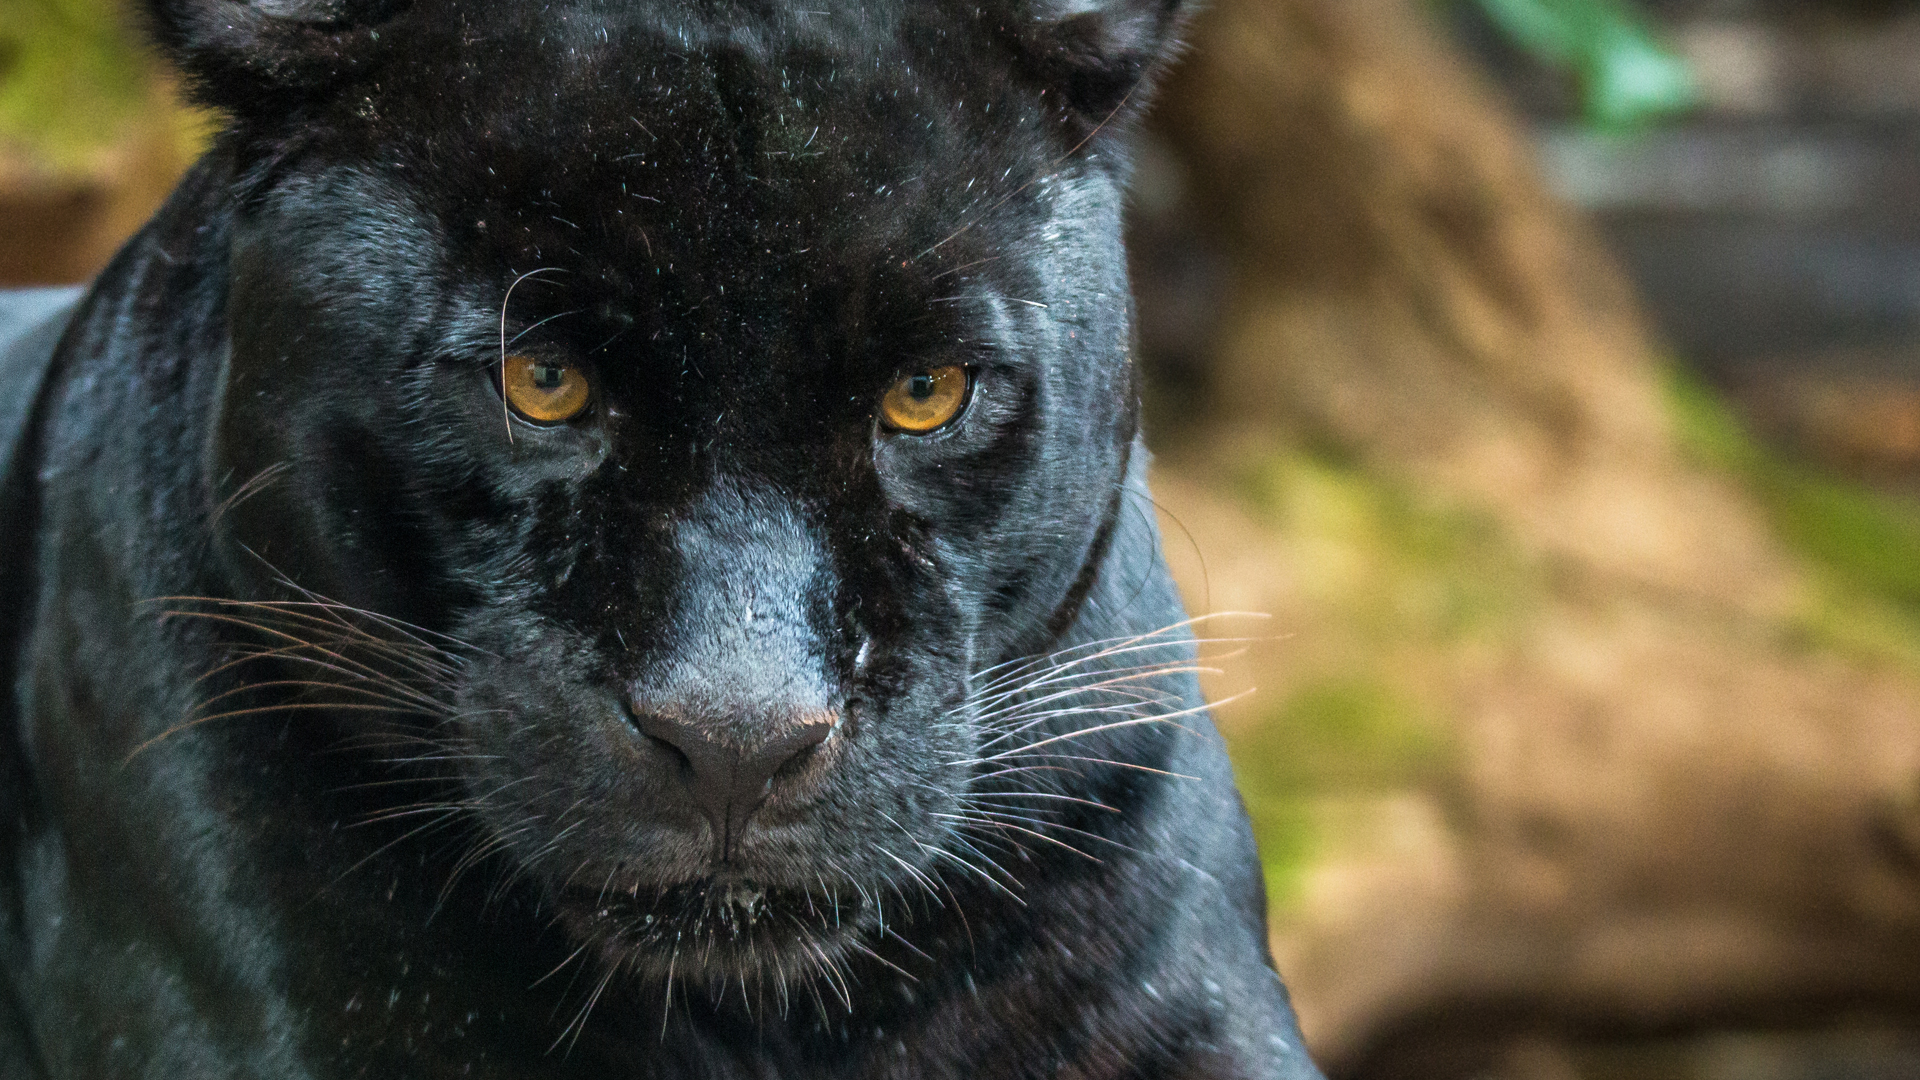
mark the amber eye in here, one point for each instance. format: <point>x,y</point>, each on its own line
<point>544,391</point>
<point>925,400</point>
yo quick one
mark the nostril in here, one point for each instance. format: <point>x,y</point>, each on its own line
<point>787,755</point>
<point>671,750</point>
<point>670,735</point>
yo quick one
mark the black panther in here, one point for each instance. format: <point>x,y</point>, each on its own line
<point>608,538</point>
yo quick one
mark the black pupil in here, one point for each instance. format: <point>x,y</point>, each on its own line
<point>920,386</point>
<point>548,376</point>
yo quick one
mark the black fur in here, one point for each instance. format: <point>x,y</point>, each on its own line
<point>328,747</point>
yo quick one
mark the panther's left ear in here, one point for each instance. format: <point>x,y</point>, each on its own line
<point>1100,53</point>
<point>257,58</point>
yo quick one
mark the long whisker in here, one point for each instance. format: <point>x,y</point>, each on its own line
<point>336,614</point>
<point>295,651</point>
<point>579,1024</point>
<point>407,655</point>
<point>291,707</point>
<point>409,703</point>
<point>1166,718</point>
<point>1133,765</point>
<point>980,799</point>
<point>506,416</point>
<point>998,817</point>
<point>1092,650</point>
<point>1009,196</point>
<point>259,482</point>
<point>1043,837</point>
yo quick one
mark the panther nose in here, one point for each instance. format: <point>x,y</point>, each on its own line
<point>728,779</point>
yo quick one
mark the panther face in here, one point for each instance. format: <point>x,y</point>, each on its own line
<point>708,415</point>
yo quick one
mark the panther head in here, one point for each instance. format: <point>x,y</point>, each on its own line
<point>709,406</point>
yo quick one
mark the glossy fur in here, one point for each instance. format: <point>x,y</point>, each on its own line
<point>336,743</point>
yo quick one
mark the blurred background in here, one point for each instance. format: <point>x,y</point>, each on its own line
<point>1547,374</point>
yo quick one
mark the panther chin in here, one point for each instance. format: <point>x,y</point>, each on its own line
<point>721,931</point>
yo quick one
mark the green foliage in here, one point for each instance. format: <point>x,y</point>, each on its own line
<point>1706,427</point>
<point>1405,567</point>
<point>1344,733</point>
<point>1870,538</point>
<point>1863,544</point>
<point>1402,579</point>
<point>1332,735</point>
<point>71,78</point>
<point>1627,76</point>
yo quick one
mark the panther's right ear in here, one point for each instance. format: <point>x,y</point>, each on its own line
<point>253,58</point>
<point>1098,52</point>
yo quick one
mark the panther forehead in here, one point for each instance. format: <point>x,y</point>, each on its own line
<point>635,139</point>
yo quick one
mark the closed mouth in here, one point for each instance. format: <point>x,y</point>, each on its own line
<point>722,925</point>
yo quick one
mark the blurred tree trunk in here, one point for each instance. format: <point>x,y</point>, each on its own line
<point>1674,786</point>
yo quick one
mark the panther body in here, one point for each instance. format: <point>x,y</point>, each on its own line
<point>609,539</point>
